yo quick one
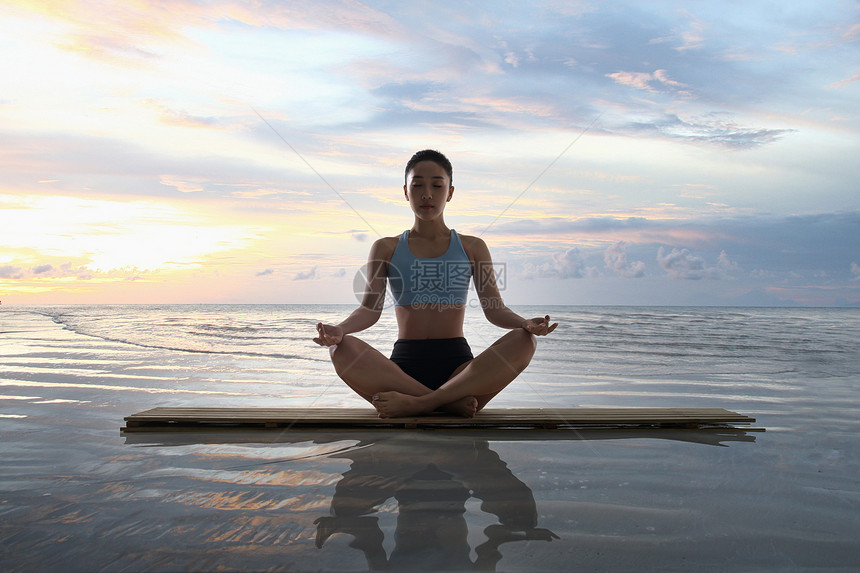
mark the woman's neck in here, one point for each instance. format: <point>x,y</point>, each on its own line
<point>430,229</point>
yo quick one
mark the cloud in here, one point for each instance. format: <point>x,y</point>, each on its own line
<point>855,272</point>
<point>842,83</point>
<point>132,31</point>
<point>10,272</point>
<point>180,185</point>
<point>715,129</point>
<point>567,265</point>
<point>692,126</point>
<point>266,272</point>
<point>128,34</point>
<point>81,273</point>
<point>306,275</point>
<point>180,118</point>
<point>409,91</point>
<point>115,235</point>
<point>663,77</point>
<point>38,270</point>
<point>654,82</point>
<point>557,225</point>
<point>157,100</point>
<point>638,80</point>
<point>615,259</point>
<point>360,235</point>
<point>803,244</point>
<point>114,50</point>
<point>726,263</point>
<point>693,37</point>
<point>152,169</point>
<point>682,264</point>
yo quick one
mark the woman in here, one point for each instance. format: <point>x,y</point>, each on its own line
<point>428,266</point>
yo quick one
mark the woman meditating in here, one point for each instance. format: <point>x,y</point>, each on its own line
<point>428,267</point>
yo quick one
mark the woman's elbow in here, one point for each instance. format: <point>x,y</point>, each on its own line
<point>494,312</point>
<point>371,314</point>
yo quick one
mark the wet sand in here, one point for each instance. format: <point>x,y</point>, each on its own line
<point>76,495</point>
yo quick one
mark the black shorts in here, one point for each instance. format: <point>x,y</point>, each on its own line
<point>431,361</point>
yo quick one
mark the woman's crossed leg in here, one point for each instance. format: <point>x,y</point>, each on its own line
<point>394,393</point>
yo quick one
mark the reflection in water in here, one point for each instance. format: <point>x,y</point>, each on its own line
<point>254,500</point>
<point>431,492</point>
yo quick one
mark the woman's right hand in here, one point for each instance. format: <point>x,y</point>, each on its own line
<point>329,335</point>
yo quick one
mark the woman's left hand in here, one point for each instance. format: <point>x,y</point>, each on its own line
<point>539,326</point>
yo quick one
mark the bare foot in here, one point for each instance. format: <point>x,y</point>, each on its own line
<point>466,407</point>
<point>325,528</point>
<point>397,405</point>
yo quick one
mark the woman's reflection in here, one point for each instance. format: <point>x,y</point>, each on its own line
<point>431,484</point>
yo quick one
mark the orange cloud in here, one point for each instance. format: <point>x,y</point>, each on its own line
<point>845,82</point>
<point>115,235</point>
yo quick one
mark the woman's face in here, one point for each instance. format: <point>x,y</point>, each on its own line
<point>428,189</point>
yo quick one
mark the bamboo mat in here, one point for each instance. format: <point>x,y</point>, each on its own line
<point>161,419</point>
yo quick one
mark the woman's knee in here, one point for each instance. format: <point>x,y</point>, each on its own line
<point>526,339</point>
<point>344,352</point>
<point>521,346</point>
<point>528,346</point>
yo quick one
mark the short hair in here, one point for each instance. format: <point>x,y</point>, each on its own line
<point>430,155</point>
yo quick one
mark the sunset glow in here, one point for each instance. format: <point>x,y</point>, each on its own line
<point>656,153</point>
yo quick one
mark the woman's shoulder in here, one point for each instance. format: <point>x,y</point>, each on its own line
<point>474,246</point>
<point>384,247</point>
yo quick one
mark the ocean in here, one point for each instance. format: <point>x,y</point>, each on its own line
<point>77,495</point>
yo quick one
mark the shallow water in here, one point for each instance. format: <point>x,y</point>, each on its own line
<point>75,495</point>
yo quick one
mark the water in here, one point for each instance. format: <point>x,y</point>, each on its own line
<point>75,495</point>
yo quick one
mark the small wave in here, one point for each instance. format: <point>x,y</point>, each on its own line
<point>227,328</point>
<point>66,324</point>
<point>91,386</point>
<point>232,335</point>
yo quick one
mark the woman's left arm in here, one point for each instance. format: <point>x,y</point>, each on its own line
<point>496,311</point>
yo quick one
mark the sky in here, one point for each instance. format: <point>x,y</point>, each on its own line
<point>609,153</point>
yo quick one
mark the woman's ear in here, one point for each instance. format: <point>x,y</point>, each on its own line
<point>450,194</point>
<point>405,193</point>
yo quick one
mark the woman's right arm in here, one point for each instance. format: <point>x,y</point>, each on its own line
<point>372,301</point>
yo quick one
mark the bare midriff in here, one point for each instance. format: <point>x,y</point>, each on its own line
<point>429,321</point>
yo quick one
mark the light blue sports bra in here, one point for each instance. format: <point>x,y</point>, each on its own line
<point>438,280</point>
